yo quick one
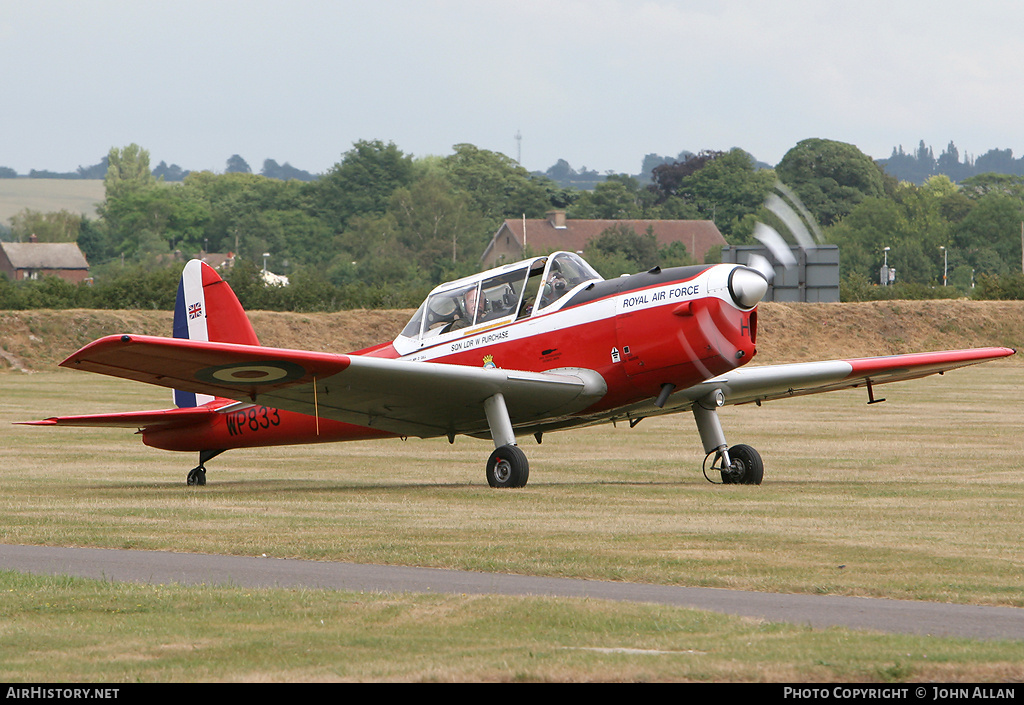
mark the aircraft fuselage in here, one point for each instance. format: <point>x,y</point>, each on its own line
<point>677,327</point>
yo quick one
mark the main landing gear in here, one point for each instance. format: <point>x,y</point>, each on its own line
<point>507,466</point>
<point>197,475</point>
<point>739,465</point>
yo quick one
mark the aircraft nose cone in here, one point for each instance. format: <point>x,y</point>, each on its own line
<point>747,287</point>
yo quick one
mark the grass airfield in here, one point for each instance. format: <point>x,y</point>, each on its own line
<point>918,498</point>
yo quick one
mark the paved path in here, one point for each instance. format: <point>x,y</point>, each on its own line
<point>816,610</point>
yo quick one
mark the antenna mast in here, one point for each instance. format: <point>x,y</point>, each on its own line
<point>519,147</point>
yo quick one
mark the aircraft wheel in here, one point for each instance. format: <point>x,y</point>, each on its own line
<point>507,467</point>
<point>747,467</point>
<point>196,476</point>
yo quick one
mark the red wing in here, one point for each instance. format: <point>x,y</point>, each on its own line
<point>406,398</point>
<point>221,369</point>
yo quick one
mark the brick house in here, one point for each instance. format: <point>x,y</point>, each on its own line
<point>34,260</point>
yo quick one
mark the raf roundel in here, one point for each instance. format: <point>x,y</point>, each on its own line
<point>247,374</point>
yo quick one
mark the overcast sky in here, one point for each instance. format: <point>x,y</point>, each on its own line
<point>599,83</point>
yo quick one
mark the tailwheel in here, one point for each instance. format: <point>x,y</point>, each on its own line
<point>745,467</point>
<point>196,476</point>
<point>507,467</point>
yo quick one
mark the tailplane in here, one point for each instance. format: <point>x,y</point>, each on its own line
<point>207,309</point>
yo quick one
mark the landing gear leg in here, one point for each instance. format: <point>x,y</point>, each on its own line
<point>507,466</point>
<point>197,475</point>
<point>740,464</point>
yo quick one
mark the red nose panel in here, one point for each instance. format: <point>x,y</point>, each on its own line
<point>683,345</point>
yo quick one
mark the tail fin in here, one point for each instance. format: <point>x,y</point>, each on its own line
<point>206,309</point>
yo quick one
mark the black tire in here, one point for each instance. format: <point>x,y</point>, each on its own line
<point>508,467</point>
<point>747,467</point>
<point>196,476</point>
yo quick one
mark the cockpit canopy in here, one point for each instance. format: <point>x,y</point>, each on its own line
<point>498,296</point>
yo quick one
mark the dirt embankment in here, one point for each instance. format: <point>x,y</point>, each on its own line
<point>38,340</point>
<point>803,332</point>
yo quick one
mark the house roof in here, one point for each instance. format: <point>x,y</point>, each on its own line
<point>219,260</point>
<point>541,234</point>
<point>44,255</point>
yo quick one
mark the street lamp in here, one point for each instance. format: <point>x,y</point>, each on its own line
<point>945,263</point>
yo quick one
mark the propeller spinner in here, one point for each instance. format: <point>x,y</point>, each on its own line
<point>747,286</point>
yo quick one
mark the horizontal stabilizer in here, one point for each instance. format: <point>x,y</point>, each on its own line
<point>150,420</point>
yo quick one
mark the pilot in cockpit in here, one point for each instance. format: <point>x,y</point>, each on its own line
<point>554,287</point>
<point>473,303</point>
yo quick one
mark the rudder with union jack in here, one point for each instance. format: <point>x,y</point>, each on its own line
<point>207,309</point>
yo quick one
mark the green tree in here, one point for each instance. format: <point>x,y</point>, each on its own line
<point>362,182</point>
<point>619,197</point>
<point>94,241</point>
<point>725,187</point>
<point>498,186</point>
<point>620,249</point>
<point>953,203</point>
<point>729,189</point>
<point>237,165</point>
<point>926,229</point>
<point>1006,286</point>
<point>989,236</point>
<point>674,254</point>
<point>873,224</point>
<point>62,226</point>
<point>155,221</point>
<point>370,255</point>
<point>127,171</point>
<point>830,177</point>
<point>437,223</point>
<point>142,217</point>
<point>983,184</point>
<point>251,214</point>
<point>293,237</point>
<point>670,178</point>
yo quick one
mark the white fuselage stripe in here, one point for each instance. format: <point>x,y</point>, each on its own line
<point>673,293</point>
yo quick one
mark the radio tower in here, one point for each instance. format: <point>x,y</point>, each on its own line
<point>519,147</point>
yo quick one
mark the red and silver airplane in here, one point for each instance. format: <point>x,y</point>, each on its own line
<point>541,345</point>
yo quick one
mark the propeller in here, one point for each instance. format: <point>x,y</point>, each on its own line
<point>749,283</point>
<point>797,220</point>
<point>761,265</point>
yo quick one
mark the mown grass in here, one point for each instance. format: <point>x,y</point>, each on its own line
<point>917,498</point>
<point>66,629</point>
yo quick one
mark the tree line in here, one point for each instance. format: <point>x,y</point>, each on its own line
<point>921,164</point>
<point>380,228</point>
<point>271,169</point>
